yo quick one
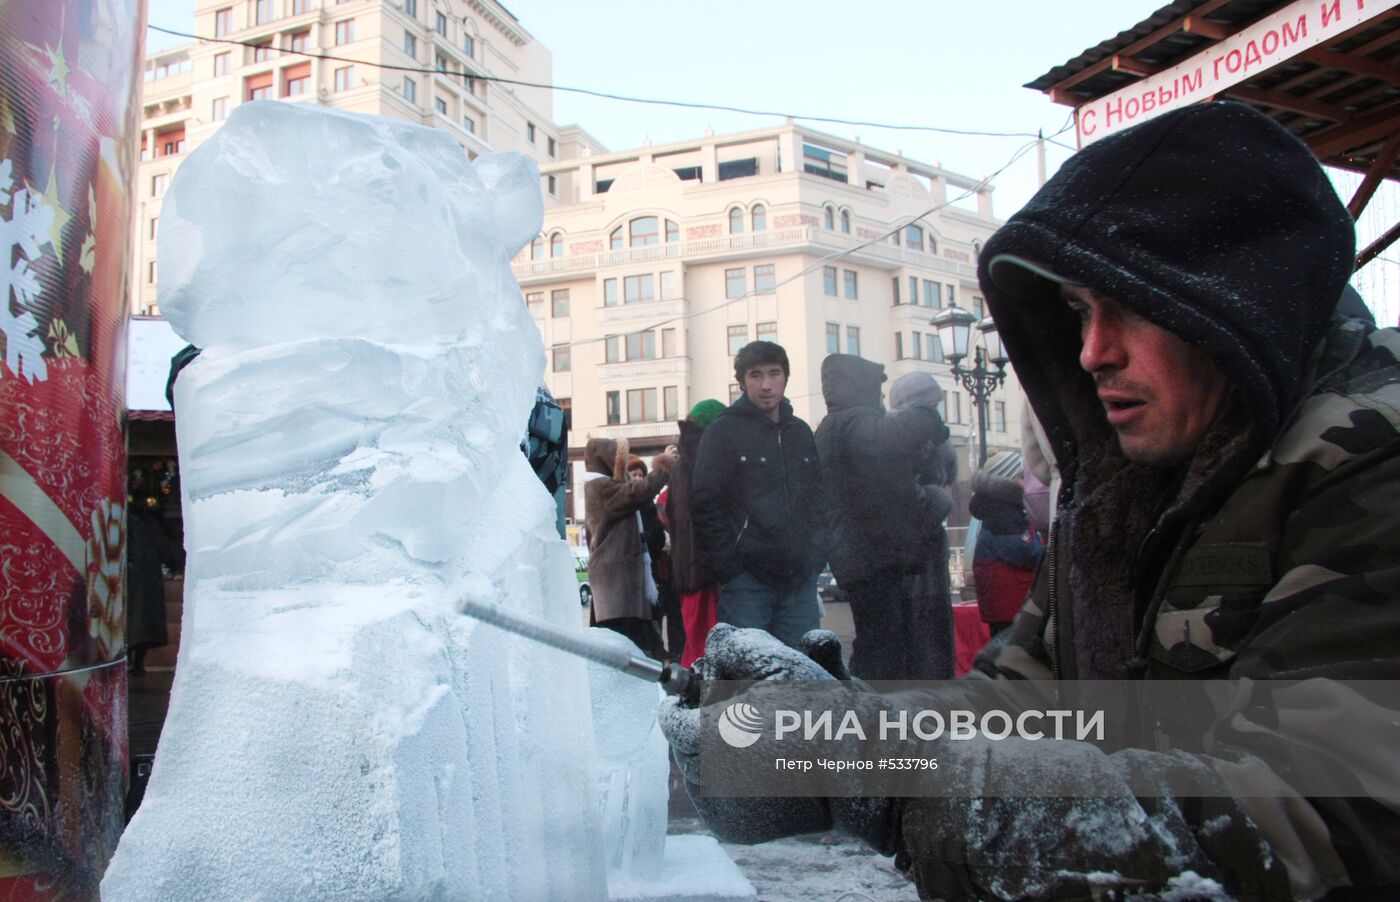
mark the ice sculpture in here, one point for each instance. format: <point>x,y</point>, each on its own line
<point>349,450</point>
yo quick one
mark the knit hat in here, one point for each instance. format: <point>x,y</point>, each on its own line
<point>1003,464</point>
<point>705,412</point>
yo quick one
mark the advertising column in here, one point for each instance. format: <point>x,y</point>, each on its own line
<point>69,101</point>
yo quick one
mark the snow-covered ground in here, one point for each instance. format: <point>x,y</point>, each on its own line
<point>825,866</point>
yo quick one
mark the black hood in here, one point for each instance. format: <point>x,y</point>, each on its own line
<point>851,381</point>
<point>1212,222</point>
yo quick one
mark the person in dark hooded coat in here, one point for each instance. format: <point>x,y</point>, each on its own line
<point>881,532</point>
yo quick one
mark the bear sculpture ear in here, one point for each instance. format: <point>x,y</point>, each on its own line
<point>518,203</point>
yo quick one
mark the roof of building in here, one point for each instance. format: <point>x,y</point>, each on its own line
<point>1341,94</point>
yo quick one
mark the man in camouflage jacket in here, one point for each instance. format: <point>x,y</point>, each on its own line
<point>1230,510</point>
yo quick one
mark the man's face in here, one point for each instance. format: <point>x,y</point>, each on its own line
<point>764,385</point>
<point>1159,393</point>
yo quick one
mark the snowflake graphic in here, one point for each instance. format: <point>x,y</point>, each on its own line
<point>27,228</point>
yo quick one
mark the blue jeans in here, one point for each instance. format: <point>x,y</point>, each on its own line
<point>786,613</point>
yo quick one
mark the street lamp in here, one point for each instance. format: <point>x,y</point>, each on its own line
<point>954,326</point>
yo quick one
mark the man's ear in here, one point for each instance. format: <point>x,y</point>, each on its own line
<point>517,201</point>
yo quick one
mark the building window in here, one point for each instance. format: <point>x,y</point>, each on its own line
<point>670,402</point>
<point>614,405</point>
<point>154,221</point>
<point>668,343</point>
<point>760,218</point>
<point>846,222</point>
<point>615,239</point>
<point>765,278</point>
<point>297,42</point>
<point>932,291</point>
<point>469,125</point>
<point>833,338</point>
<point>643,231</point>
<point>933,348</point>
<point>562,358</point>
<point>159,183</point>
<point>668,285</point>
<point>951,295</point>
<point>738,337</point>
<point>262,11</point>
<point>440,24</point>
<point>343,75</point>
<point>735,283</point>
<point>852,289</point>
<point>932,244</point>
<point>223,22</point>
<point>641,405</point>
<point>534,302</point>
<point>297,7</point>
<point>551,147</point>
<point>469,46</point>
<point>410,8</point>
<point>853,340</point>
<point>556,241</point>
<point>262,52</point>
<point>530,132</point>
<point>999,416</point>
<point>768,332</point>
<point>673,232</point>
<point>735,390</point>
<point>641,345</point>
<point>828,164</point>
<point>612,349</point>
<point>439,62</point>
<point>895,283</point>
<point>913,289</point>
<point>636,289</point>
<point>440,106</point>
<point>221,64</point>
<point>829,218</point>
<point>410,44</point>
<point>736,221</point>
<point>916,345</point>
<point>344,32</point>
<point>899,346</point>
<point>410,89</point>
<point>914,238</point>
<point>537,249</point>
<point>296,83</point>
<point>737,169</point>
<point>829,281</point>
<point>559,303</point>
<point>610,292</point>
<point>955,408</point>
<point>978,308</point>
<point>218,111</point>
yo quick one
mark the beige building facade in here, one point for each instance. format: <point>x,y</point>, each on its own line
<point>189,91</point>
<point>655,265</point>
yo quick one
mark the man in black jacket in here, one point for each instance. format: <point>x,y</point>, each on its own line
<point>758,503</point>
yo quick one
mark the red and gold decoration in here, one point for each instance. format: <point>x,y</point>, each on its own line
<point>69,94</point>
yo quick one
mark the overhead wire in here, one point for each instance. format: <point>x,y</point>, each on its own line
<point>605,95</point>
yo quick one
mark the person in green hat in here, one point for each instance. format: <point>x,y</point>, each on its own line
<point>693,582</point>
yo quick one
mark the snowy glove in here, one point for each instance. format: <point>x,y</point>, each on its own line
<point>751,654</point>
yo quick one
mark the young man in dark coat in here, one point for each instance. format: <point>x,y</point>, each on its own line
<point>1230,454</point>
<point>758,504</point>
<point>881,534</point>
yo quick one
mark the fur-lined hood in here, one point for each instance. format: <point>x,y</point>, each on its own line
<point>607,457</point>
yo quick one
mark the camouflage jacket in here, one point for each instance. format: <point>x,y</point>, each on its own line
<point>1294,575</point>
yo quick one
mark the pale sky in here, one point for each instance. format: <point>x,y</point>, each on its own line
<point>914,62</point>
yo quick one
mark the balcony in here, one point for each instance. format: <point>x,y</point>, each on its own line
<point>677,368</point>
<point>662,429</point>
<point>649,310</point>
<point>819,241</point>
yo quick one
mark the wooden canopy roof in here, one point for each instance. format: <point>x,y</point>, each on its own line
<point>1328,70</point>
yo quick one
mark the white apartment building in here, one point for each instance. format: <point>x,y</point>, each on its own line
<point>190,90</point>
<point>657,264</point>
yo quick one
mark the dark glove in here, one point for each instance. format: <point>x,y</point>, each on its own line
<point>751,654</point>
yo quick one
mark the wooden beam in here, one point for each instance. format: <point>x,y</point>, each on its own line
<point>1347,62</point>
<point>1138,46</point>
<point>1358,131</point>
<point>1281,101</point>
<point>1131,66</point>
<point>1194,24</point>
<point>1378,246</point>
<point>1380,168</point>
